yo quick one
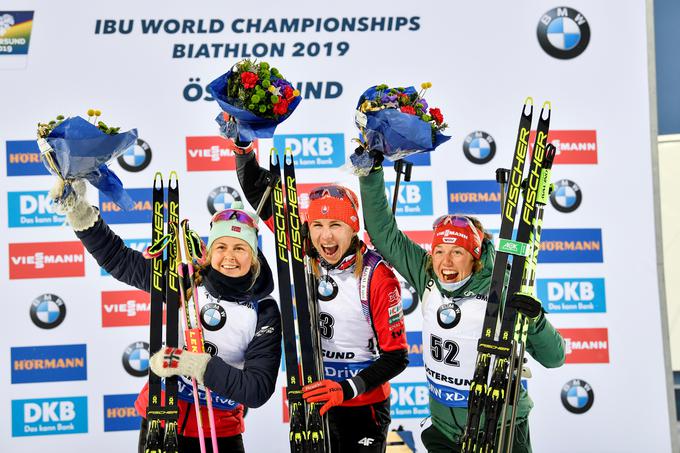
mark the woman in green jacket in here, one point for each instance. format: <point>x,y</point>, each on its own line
<point>452,282</point>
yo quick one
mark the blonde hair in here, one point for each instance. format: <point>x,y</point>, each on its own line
<point>255,268</point>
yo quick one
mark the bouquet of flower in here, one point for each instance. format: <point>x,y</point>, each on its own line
<point>74,148</point>
<point>396,122</point>
<point>256,97</point>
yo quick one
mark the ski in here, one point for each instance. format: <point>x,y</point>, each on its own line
<point>503,348</point>
<point>528,287</point>
<point>306,310</point>
<point>170,442</point>
<point>296,410</point>
<point>478,387</point>
<point>154,412</point>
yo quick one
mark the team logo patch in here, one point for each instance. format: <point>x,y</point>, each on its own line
<point>577,396</point>
<point>566,196</point>
<point>47,311</point>
<point>137,157</point>
<point>222,198</point>
<point>210,348</point>
<point>409,297</point>
<point>136,359</point>
<point>327,289</point>
<point>213,316</point>
<point>479,147</point>
<point>448,315</point>
<point>563,33</point>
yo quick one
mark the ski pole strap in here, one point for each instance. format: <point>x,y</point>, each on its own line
<point>371,261</point>
<point>156,249</point>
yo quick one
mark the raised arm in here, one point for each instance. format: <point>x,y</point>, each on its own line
<point>407,257</point>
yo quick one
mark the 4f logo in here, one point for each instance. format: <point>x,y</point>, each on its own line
<point>366,441</point>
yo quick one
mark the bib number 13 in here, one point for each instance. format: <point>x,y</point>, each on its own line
<point>444,350</point>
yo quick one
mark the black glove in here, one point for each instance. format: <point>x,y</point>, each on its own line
<point>376,156</point>
<point>526,304</point>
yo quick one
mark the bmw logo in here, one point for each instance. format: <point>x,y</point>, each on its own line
<point>213,316</point>
<point>448,315</point>
<point>47,311</point>
<point>566,196</point>
<point>479,147</point>
<point>210,348</point>
<point>136,359</point>
<point>577,396</point>
<point>137,157</point>
<point>327,289</point>
<point>409,297</point>
<point>222,198</point>
<point>563,33</point>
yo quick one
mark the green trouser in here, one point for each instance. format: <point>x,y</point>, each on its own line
<point>436,442</point>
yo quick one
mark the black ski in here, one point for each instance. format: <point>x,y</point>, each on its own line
<point>170,444</point>
<point>306,310</point>
<point>296,409</point>
<point>503,347</point>
<point>154,413</point>
<point>478,388</point>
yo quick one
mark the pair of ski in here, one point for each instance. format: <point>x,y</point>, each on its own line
<point>501,348</point>
<point>308,430</point>
<point>167,284</point>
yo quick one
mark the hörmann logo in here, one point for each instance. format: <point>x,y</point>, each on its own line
<point>125,308</point>
<point>23,158</point>
<point>31,209</point>
<point>140,212</point>
<point>572,295</point>
<point>415,197</point>
<point>586,345</point>
<point>49,363</point>
<point>42,416</point>
<point>120,413</point>
<point>46,260</point>
<point>211,153</point>
<point>409,400</point>
<point>415,348</point>
<point>573,146</point>
<point>474,197</point>
<point>314,150</point>
<point>571,245</point>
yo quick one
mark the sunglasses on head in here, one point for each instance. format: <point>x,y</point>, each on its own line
<point>332,191</point>
<point>231,214</point>
<point>456,220</point>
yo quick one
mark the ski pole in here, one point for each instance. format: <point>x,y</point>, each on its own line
<point>402,168</point>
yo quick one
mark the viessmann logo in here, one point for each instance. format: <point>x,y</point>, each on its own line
<point>586,345</point>
<point>125,308</point>
<point>573,146</point>
<point>211,153</point>
<point>46,260</point>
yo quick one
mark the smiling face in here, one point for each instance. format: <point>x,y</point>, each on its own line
<point>451,263</point>
<point>231,256</point>
<point>331,238</point>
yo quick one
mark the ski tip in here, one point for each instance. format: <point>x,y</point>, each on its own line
<point>529,101</point>
<point>547,106</point>
<point>288,156</point>
<point>274,156</point>
<point>173,179</point>
<point>158,180</point>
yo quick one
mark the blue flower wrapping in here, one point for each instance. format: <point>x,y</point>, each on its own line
<point>250,126</point>
<point>394,133</point>
<point>81,150</point>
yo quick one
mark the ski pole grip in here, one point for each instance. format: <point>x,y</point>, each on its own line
<point>408,166</point>
<point>502,175</point>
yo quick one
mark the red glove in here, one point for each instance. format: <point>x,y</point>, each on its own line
<point>320,391</point>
